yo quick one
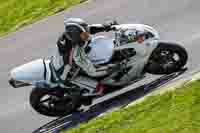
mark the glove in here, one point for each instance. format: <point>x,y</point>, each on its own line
<point>116,67</point>
<point>108,25</point>
<point>61,44</point>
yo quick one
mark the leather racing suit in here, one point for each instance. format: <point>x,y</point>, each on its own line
<point>69,57</point>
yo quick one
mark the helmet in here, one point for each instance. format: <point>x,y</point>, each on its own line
<point>73,28</point>
<point>77,21</point>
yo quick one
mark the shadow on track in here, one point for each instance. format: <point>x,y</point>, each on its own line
<point>119,101</point>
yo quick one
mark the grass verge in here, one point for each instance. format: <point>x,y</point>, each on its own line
<point>176,111</point>
<point>17,13</point>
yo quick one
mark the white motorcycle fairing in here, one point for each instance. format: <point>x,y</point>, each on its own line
<point>30,73</point>
<point>102,49</point>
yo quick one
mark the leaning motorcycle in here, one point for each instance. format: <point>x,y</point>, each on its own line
<point>50,98</point>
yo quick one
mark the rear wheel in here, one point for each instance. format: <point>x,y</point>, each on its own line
<point>167,58</point>
<point>53,102</point>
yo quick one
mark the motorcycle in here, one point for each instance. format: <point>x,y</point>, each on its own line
<point>50,98</point>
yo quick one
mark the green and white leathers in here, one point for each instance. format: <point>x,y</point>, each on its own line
<point>82,60</point>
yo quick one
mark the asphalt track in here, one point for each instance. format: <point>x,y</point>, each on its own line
<point>175,20</point>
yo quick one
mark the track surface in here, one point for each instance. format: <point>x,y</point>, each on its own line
<point>175,20</point>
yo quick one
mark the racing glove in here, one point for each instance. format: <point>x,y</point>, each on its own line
<point>108,25</point>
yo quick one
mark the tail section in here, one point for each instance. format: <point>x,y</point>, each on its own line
<point>28,73</point>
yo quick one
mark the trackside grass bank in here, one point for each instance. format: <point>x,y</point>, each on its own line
<point>17,13</point>
<point>176,111</point>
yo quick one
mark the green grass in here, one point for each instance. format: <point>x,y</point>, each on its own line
<point>175,111</point>
<point>17,13</point>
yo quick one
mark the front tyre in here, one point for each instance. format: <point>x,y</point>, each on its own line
<point>53,102</point>
<point>167,58</point>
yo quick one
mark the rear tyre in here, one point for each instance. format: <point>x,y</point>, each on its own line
<point>167,58</point>
<point>53,102</point>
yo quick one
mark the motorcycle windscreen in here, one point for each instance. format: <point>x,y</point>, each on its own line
<point>102,49</point>
<point>30,72</point>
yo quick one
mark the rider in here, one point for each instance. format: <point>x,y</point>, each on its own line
<point>72,49</point>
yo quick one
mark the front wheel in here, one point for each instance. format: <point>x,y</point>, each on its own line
<point>167,58</point>
<point>53,102</point>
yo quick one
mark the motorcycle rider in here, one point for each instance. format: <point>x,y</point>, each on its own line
<point>72,49</point>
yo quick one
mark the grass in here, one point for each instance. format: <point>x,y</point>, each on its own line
<point>17,13</point>
<point>176,111</point>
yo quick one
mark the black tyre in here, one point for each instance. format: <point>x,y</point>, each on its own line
<point>167,58</point>
<point>53,102</point>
